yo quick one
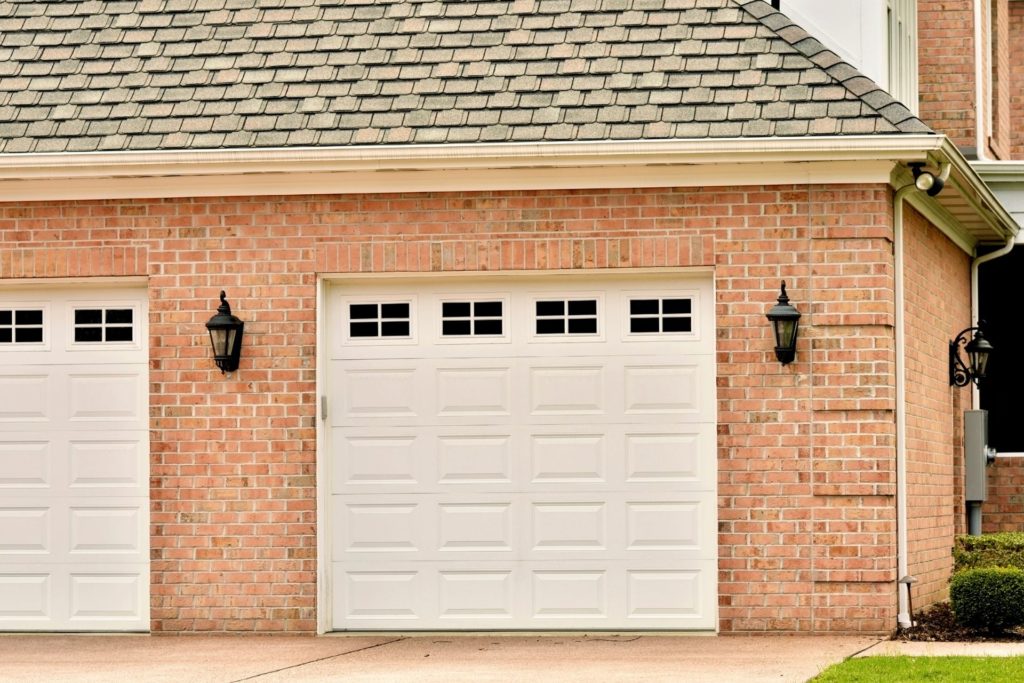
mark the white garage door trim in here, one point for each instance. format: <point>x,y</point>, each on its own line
<point>668,497</point>
<point>74,457</point>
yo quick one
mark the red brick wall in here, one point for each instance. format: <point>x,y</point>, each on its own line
<point>807,521</point>
<point>1015,41</point>
<point>946,68</point>
<point>937,288</point>
<point>1004,509</point>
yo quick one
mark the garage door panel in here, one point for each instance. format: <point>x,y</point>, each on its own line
<point>25,397</point>
<point>74,447</point>
<point>560,476</point>
<point>25,461</point>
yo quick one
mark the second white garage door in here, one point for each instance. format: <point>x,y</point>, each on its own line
<point>522,453</point>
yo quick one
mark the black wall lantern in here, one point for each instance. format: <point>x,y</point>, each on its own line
<point>978,349</point>
<point>226,337</point>
<point>785,320</point>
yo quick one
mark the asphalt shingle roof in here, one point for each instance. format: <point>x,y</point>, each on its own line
<point>96,75</point>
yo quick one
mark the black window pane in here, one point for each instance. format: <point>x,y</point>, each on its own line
<point>5,335</point>
<point>88,316</point>
<point>394,311</point>
<point>455,309</point>
<point>643,325</point>
<point>28,334</point>
<point>28,317</point>
<point>488,327</point>
<point>550,308</point>
<point>119,334</point>
<point>677,324</point>
<point>454,327</point>
<point>362,311</point>
<point>676,305</point>
<point>582,326</point>
<point>585,307</point>
<point>362,329</point>
<point>119,316</point>
<point>88,334</point>
<point>5,317</point>
<point>488,309</point>
<point>556,326</point>
<point>396,328</point>
<point>643,307</point>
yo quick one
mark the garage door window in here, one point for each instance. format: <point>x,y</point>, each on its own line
<point>660,316</point>
<point>567,317</point>
<point>104,325</point>
<point>21,326</point>
<point>472,318</point>
<point>379,320</point>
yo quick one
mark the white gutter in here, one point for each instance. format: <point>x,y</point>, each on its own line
<point>435,157</point>
<point>902,543</point>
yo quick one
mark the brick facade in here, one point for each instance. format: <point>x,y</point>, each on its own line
<point>946,68</point>
<point>937,287</point>
<point>1015,40</point>
<point>1004,509</point>
<point>806,451</point>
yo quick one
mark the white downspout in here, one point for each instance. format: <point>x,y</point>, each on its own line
<point>902,545</point>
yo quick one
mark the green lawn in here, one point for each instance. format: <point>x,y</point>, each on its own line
<point>931,669</point>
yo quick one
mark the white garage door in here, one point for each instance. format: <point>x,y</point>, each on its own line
<point>517,453</point>
<point>74,443</point>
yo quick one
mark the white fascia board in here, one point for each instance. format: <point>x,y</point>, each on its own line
<point>976,191</point>
<point>405,168</point>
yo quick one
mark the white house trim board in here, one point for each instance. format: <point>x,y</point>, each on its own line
<point>463,494</point>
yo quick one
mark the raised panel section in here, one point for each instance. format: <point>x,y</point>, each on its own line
<point>379,460</point>
<point>24,464</point>
<point>662,389</point>
<point>381,528</point>
<point>106,596</point>
<point>105,397</point>
<point>379,393</point>
<point>663,526</point>
<point>474,391</point>
<point>566,390</point>
<point>567,458</point>
<point>24,530</point>
<point>24,596</point>
<point>569,594</point>
<point>476,594</point>
<point>662,457</point>
<point>569,526</point>
<point>475,527</point>
<point>381,595</point>
<point>105,530</point>
<point>24,397</point>
<point>474,459</point>
<point>105,464</point>
<point>664,594</point>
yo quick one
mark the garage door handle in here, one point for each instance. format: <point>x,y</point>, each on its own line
<point>323,408</point>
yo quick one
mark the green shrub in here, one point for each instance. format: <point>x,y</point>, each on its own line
<point>989,550</point>
<point>990,598</point>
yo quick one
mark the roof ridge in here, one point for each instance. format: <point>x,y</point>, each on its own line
<point>842,72</point>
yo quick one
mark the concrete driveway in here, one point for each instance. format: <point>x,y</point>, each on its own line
<point>593,658</point>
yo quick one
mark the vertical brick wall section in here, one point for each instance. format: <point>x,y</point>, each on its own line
<point>1015,42</point>
<point>946,68</point>
<point>806,451</point>
<point>999,25</point>
<point>1004,509</point>
<point>937,286</point>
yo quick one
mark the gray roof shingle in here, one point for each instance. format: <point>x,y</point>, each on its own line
<point>99,75</point>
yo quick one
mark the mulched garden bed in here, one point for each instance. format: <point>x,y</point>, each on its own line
<point>937,624</point>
